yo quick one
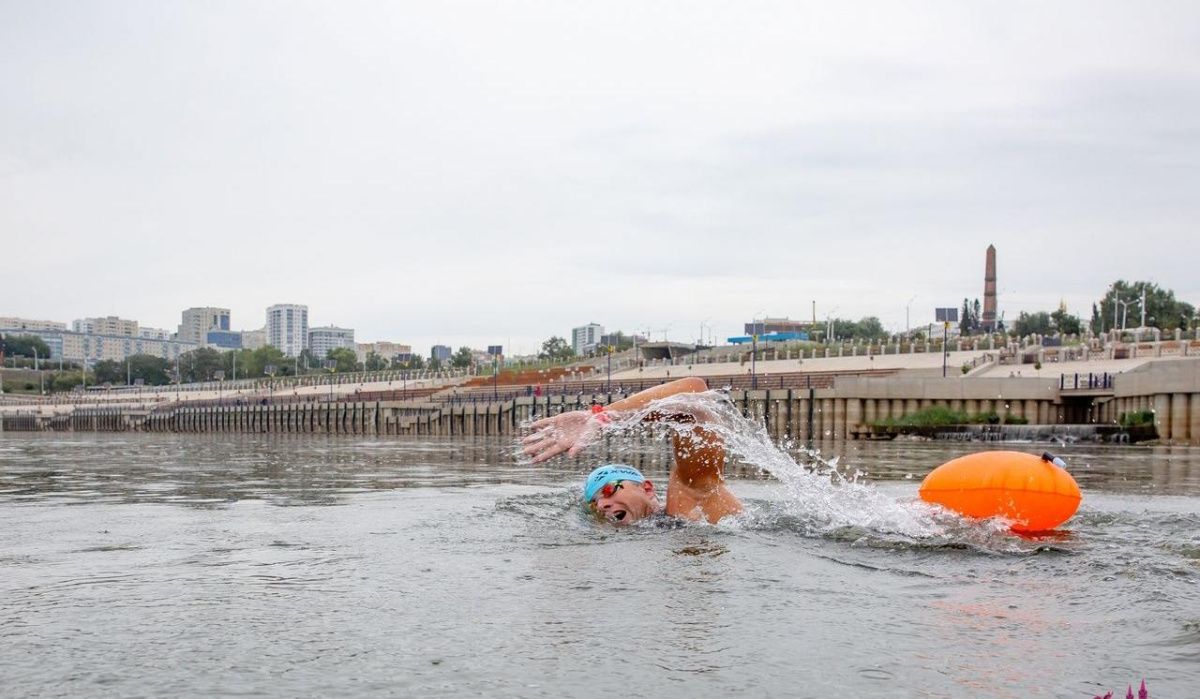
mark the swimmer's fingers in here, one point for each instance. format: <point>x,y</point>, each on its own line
<point>536,437</point>
<point>547,421</point>
<point>537,450</point>
<point>549,452</point>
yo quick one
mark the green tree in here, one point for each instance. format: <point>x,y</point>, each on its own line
<point>67,381</point>
<point>374,362</point>
<point>462,358</point>
<point>308,360</point>
<point>200,364</point>
<point>1033,323</point>
<point>969,321</point>
<point>556,349</point>
<point>435,364</point>
<point>1162,309</point>
<point>868,328</point>
<point>414,363</point>
<point>153,371</point>
<point>260,358</point>
<point>1065,322</point>
<point>24,346</point>
<point>109,371</point>
<point>346,360</point>
<point>239,359</point>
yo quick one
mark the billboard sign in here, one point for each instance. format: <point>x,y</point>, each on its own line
<point>947,315</point>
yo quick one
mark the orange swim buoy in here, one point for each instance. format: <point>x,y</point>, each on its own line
<point>1036,494</point>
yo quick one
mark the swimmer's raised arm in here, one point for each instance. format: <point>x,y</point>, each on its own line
<point>571,432</point>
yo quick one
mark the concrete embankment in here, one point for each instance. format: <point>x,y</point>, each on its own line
<point>846,410</point>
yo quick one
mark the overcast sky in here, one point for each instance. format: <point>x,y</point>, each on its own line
<point>498,172</point>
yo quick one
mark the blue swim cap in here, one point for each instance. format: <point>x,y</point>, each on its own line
<point>609,474</point>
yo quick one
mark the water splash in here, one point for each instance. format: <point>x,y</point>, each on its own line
<point>818,495</point>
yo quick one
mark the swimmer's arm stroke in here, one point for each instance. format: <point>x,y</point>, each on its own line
<point>572,432</point>
<point>696,489</point>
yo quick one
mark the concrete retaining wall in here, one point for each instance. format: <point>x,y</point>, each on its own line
<point>1169,388</point>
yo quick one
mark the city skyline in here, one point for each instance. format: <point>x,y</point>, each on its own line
<point>648,170</point>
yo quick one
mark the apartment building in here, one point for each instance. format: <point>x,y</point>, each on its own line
<point>287,328</point>
<point>585,338</point>
<point>197,322</point>
<point>387,350</point>
<point>323,339</point>
<point>109,326</point>
<point>16,325</point>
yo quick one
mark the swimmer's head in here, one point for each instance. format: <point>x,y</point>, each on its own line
<point>620,494</point>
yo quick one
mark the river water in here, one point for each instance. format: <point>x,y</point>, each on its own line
<point>191,565</point>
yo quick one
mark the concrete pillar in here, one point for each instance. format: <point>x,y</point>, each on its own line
<point>1194,420</point>
<point>869,415</point>
<point>1180,431</point>
<point>1030,411</point>
<point>910,406</point>
<point>800,418</point>
<point>854,416</point>
<point>1162,415</point>
<point>826,429</point>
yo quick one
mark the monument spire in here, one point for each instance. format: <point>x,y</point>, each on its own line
<point>989,291</point>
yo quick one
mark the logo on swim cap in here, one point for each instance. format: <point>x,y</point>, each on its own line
<point>609,474</point>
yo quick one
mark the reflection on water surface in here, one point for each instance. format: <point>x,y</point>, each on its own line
<point>189,565</point>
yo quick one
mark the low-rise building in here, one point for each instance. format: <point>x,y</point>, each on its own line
<point>767,326</point>
<point>388,350</point>
<point>253,339</point>
<point>223,339</point>
<point>13,324</point>
<point>91,348</point>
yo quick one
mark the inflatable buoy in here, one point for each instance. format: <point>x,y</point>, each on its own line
<point>1036,494</point>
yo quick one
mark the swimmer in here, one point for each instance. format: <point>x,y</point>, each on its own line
<point>621,494</point>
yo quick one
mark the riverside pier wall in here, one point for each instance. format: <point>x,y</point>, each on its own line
<point>845,410</point>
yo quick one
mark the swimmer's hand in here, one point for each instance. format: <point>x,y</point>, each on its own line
<point>567,432</point>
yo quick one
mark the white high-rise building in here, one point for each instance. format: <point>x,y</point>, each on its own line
<point>287,328</point>
<point>321,340</point>
<point>585,338</point>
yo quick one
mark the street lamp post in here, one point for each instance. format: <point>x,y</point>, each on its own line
<point>753,357</point>
<point>36,367</point>
<point>1124,312</point>
<point>945,346</point>
<point>331,365</point>
<point>495,377</point>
